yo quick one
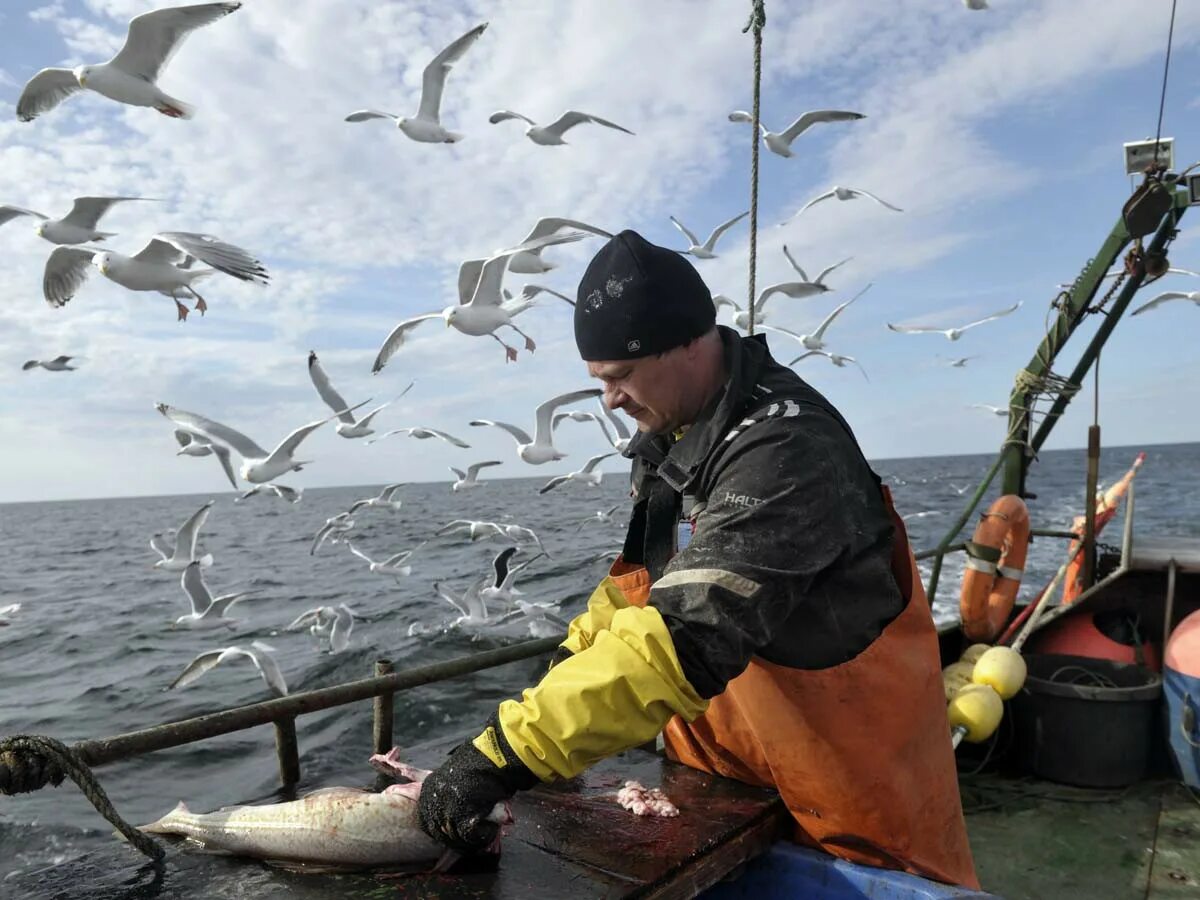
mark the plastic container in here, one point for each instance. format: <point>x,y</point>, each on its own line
<point>1087,722</point>
<point>1181,687</point>
<point>790,871</point>
<point>1106,635</point>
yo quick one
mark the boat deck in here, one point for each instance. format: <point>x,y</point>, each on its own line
<point>1034,840</point>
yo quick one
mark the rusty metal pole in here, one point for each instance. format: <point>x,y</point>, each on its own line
<point>1088,569</point>
<point>288,751</point>
<point>384,711</point>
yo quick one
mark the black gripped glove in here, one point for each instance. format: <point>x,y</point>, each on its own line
<point>458,797</point>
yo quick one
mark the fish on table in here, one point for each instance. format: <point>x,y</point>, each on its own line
<point>335,827</point>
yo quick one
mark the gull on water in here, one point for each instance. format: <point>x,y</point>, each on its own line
<point>1166,297</point>
<point>58,364</point>
<point>183,553</point>
<point>7,612</point>
<point>540,448</point>
<point>552,135</point>
<point>819,281</point>
<point>347,426</point>
<point>954,334</point>
<point>587,475</point>
<point>836,358</point>
<point>282,491</point>
<point>334,529</point>
<point>130,76</point>
<point>325,622</point>
<point>163,265</point>
<point>207,611</point>
<point>76,227</point>
<point>780,142</point>
<point>471,606</point>
<point>192,444</point>
<point>841,193</point>
<point>816,340</point>
<point>385,499</point>
<point>258,465</point>
<point>394,565</point>
<point>421,433</point>
<point>482,307</point>
<point>501,588</point>
<point>706,250</point>
<point>470,478</point>
<point>426,125</point>
<point>530,262</point>
<point>600,516</point>
<point>259,653</point>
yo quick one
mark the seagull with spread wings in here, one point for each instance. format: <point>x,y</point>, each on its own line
<point>163,265</point>
<point>540,448</point>
<point>207,611</point>
<point>482,307</point>
<point>385,499</point>
<point>836,358</point>
<point>193,444</point>
<point>816,340</point>
<point>587,475</point>
<point>1166,297</point>
<point>841,193</point>
<point>780,142</point>
<point>954,334</point>
<point>258,465</point>
<point>183,554</point>
<point>58,364</point>
<point>470,478</point>
<point>421,433</point>
<point>502,588</point>
<point>282,491</point>
<point>426,126</point>
<point>76,227</point>
<point>395,565</point>
<point>328,623</point>
<point>530,262</point>
<point>347,426</point>
<point>259,654</point>
<point>552,135</point>
<point>129,77</point>
<point>706,250</point>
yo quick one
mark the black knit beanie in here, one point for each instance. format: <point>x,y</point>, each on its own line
<point>638,299</point>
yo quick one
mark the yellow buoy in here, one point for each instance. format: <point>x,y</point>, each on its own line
<point>972,653</point>
<point>1003,669</point>
<point>955,676</point>
<point>977,709</point>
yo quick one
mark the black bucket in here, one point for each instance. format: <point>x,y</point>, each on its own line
<point>1084,721</point>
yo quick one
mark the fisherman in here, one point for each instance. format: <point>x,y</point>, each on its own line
<point>766,614</point>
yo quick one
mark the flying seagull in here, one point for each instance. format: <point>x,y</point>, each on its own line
<point>258,465</point>
<point>994,410</point>
<point>482,307</point>
<point>540,448</point>
<point>347,426</point>
<point>130,76</point>
<point>327,622</point>
<point>816,340</point>
<point>781,141</point>
<point>820,279</point>
<point>163,265</point>
<point>421,433</point>
<point>76,227</point>
<point>501,588</point>
<point>58,364</point>
<point>207,611</point>
<point>587,475</point>
<point>552,135</point>
<point>259,654</point>
<point>385,499</point>
<point>705,250</point>
<point>335,530</point>
<point>193,444</point>
<point>836,358</point>
<point>953,334</point>
<point>394,565</point>
<point>183,554</point>
<point>1166,297</point>
<point>602,516</point>
<point>530,262</point>
<point>426,125</point>
<point>470,478</point>
<point>282,491</point>
<point>841,193</point>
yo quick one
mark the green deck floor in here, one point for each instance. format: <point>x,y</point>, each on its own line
<point>1034,840</point>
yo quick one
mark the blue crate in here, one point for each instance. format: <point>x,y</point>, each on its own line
<point>789,871</point>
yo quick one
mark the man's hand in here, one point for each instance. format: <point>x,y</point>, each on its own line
<point>458,797</point>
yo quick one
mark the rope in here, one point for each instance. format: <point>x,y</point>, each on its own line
<point>1162,101</point>
<point>758,19</point>
<point>29,762</point>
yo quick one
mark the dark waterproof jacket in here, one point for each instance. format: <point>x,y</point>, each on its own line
<point>778,493</point>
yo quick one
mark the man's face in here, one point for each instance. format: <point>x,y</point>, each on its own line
<point>654,391</point>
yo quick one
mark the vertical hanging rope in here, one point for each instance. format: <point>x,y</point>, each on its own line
<point>1166,69</point>
<point>758,18</point>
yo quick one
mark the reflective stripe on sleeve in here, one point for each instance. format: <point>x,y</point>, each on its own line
<point>722,578</point>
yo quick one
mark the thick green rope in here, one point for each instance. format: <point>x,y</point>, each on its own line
<point>29,762</point>
<point>758,19</point>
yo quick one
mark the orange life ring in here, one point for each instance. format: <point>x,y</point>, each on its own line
<point>995,564</point>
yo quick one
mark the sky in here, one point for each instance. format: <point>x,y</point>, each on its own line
<point>999,133</point>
